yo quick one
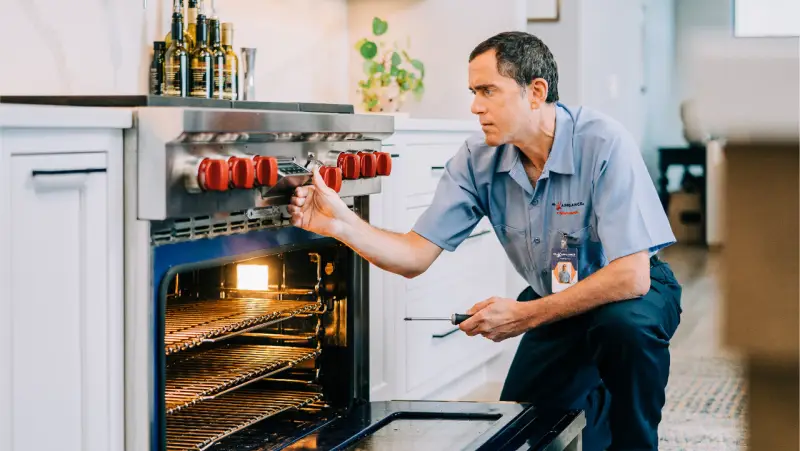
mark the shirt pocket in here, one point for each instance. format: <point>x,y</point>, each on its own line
<point>516,243</point>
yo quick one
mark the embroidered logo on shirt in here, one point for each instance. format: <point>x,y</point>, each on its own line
<point>561,206</point>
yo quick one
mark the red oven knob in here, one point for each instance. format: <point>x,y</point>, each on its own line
<point>368,164</point>
<point>266,170</point>
<point>212,175</point>
<point>242,173</point>
<point>350,164</point>
<point>384,163</point>
<point>332,176</point>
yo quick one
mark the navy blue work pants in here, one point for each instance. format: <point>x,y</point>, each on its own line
<point>612,362</point>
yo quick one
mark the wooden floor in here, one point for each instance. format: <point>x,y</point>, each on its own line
<point>698,270</point>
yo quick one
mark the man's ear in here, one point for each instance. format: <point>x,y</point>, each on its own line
<point>537,92</point>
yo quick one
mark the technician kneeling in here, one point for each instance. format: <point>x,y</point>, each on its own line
<point>574,207</point>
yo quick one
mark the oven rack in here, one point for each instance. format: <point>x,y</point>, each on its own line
<point>199,426</point>
<point>207,374</point>
<point>191,324</point>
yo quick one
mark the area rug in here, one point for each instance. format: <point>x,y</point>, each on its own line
<point>705,406</point>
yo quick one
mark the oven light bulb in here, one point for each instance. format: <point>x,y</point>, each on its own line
<point>252,277</point>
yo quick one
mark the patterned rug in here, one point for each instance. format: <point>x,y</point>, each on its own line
<point>705,408</point>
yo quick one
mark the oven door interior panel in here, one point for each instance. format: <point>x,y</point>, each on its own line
<point>427,425</point>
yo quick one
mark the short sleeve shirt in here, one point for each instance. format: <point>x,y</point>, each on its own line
<point>594,190</point>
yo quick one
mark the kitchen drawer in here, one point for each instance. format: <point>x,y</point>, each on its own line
<point>468,258</point>
<point>423,166</point>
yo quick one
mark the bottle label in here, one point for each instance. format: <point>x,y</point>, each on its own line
<point>201,83</point>
<point>173,81</point>
<point>230,86</point>
<point>155,81</point>
<point>219,81</point>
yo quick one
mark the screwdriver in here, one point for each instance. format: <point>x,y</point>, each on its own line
<point>455,318</point>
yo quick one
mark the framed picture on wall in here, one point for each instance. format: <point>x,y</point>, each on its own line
<point>543,10</point>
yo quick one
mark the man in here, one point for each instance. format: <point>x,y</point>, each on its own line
<point>556,183</point>
<point>563,275</point>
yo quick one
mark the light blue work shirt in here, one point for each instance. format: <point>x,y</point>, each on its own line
<point>594,188</point>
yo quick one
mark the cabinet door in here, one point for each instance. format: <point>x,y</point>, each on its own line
<point>59,262</point>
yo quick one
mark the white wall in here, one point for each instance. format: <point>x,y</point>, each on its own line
<point>105,48</point>
<point>563,40</point>
<point>442,34</point>
<point>618,56</point>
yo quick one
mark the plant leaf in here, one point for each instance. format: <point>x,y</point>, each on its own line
<point>368,67</point>
<point>368,50</point>
<point>396,60</point>
<point>360,43</point>
<point>419,66</point>
<point>379,26</point>
<point>394,71</point>
<point>405,55</point>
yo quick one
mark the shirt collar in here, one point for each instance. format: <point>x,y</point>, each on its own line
<point>561,155</point>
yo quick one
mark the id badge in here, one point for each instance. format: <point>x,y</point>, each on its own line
<point>563,267</point>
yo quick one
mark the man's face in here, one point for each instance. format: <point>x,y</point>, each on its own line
<point>499,102</point>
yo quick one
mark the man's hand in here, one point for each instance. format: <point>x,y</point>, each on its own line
<point>318,209</point>
<point>498,318</point>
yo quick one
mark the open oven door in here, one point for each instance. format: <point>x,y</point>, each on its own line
<point>441,425</point>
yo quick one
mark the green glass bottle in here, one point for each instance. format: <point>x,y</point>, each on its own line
<point>176,58</point>
<point>202,69</point>
<point>217,58</point>
<point>230,89</point>
<point>188,39</point>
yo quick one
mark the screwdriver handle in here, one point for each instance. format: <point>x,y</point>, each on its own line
<point>459,318</point>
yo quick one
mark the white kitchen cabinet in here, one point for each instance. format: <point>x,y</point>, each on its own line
<point>418,360</point>
<point>61,293</point>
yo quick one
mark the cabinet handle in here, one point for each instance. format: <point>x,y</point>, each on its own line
<point>481,233</point>
<point>449,332</point>
<point>395,155</point>
<point>41,172</point>
<point>437,168</point>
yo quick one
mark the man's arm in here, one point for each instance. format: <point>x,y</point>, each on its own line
<point>498,318</point>
<point>318,209</point>
<point>406,254</point>
<point>624,278</point>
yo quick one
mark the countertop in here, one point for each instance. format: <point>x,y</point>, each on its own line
<point>438,125</point>
<point>45,116</point>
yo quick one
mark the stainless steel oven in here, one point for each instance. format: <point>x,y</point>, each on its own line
<point>245,333</point>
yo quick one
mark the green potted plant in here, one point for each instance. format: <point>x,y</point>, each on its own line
<point>390,72</point>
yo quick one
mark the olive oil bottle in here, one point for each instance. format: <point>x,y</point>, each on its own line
<point>176,58</point>
<point>230,89</point>
<point>188,39</point>
<point>202,68</point>
<point>217,58</point>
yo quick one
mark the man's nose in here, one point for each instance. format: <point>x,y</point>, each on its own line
<point>477,106</point>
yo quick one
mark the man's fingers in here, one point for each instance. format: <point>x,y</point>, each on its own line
<point>480,306</point>
<point>318,181</point>
<point>473,326</point>
<point>297,201</point>
<point>294,209</point>
<point>303,191</point>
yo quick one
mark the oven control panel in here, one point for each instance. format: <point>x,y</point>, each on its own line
<point>196,161</point>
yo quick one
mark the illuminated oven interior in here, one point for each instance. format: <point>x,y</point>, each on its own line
<point>255,349</point>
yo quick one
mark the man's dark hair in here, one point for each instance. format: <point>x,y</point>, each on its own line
<point>523,57</point>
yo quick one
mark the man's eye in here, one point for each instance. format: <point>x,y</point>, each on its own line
<point>488,92</point>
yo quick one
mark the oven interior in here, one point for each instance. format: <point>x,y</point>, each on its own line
<point>255,349</point>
